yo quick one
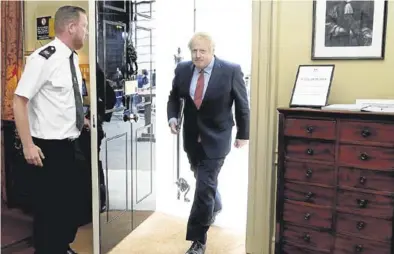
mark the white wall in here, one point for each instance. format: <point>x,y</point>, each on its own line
<point>230,24</point>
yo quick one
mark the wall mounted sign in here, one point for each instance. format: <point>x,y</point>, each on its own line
<point>312,86</point>
<point>45,28</point>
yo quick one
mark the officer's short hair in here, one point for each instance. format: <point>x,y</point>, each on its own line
<point>66,14</point>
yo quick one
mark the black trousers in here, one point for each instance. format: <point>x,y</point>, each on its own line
<point>206,197</point>
<point>55,197</point>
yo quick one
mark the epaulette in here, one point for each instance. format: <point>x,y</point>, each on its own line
<point>47,52</point>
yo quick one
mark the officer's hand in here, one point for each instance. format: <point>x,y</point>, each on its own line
<point>33,155</point>
<point>86,124</point>
<point>240,143</point>
<point>173,128</point>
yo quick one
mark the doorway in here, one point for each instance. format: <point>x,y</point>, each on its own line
<point>233,43</point>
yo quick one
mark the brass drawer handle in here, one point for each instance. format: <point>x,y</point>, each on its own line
<point>307,237</point>
<point>358,248</point>
<point>363,179</point>
<point>309,129</point>
<point>365,133</point>
<point>309,151</point>
<point>309,173</point>
<point>362,203</point>
<point>364,156</point>
<point>360,225</point>
<point>308,196</point>
<point>307,216</point>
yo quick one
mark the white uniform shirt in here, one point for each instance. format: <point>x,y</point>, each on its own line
<point>47,83</point>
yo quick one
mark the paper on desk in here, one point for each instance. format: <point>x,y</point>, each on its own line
<point>375,102</point>
<point>388,109</point>
<point>349,107</point>
<point>376,105</point>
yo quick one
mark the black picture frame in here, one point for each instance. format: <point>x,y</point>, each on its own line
<point>348,52</point>
<point>292,105</point>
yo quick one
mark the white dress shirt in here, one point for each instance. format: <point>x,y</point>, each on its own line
<point>47,83</point>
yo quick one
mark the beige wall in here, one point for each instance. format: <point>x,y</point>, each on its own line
<point>371,79</point>
<point>282,38</point>
<point>35,9</point>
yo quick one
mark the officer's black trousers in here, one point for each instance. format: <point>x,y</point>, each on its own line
<point>55,197</point>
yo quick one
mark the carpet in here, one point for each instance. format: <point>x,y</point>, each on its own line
<point>15,226</point>
<point>164,234</point>
<point>159,234</point>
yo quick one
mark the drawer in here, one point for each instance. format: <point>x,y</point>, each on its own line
<point>309,194</point>
<point>366,157</point>
<point>307,128</point>
<point>312,150</point>
<point>355,131</point>
<point>308,238</point>
<point>366,179</point>
<point>306,215</point>
<point>352,245</point>
<point>365,204</point>
<point>291,249</point>
<point>309,172</point>
<point>375,229</point>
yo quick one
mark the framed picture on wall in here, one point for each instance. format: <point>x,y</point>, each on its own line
<point>349,29</point>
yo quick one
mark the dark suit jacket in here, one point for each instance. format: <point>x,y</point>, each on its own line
<point>214,120</point>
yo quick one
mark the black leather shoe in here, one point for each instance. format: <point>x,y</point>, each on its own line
<point>71,251</point>
<point>196,248</point>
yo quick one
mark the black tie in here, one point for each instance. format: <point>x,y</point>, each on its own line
<point>77,95</point>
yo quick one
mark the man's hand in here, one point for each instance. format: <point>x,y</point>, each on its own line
<point>173,127</point>
<point>240,143</point>
<point>173,123</point>
<point>33,155</point>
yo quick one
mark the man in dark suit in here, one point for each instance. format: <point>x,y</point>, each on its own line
<point>209,86</point>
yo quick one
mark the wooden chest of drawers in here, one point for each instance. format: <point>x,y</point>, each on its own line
<point>335,189</point>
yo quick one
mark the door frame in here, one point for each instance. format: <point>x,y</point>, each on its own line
<point>93,123</point>
<point>260,231</point>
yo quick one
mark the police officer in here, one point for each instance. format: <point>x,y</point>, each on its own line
<point>49,117</point>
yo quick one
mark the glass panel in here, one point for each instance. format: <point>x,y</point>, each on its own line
<point>116,176</point>
<point>143,183</point>
<point>145,49</point>
<point>115,133</point>
<point>144,196</point>
<point>126,182</point>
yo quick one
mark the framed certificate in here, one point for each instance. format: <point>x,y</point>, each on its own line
<point>312,86</point>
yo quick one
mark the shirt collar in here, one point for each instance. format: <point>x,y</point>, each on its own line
<point>62,48</point>
<point>209,68</point>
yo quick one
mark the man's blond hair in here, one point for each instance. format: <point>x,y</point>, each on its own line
<point>202,36</point>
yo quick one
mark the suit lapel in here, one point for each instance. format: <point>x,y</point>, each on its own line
<point>214,79</point>
<point>188,77</point>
